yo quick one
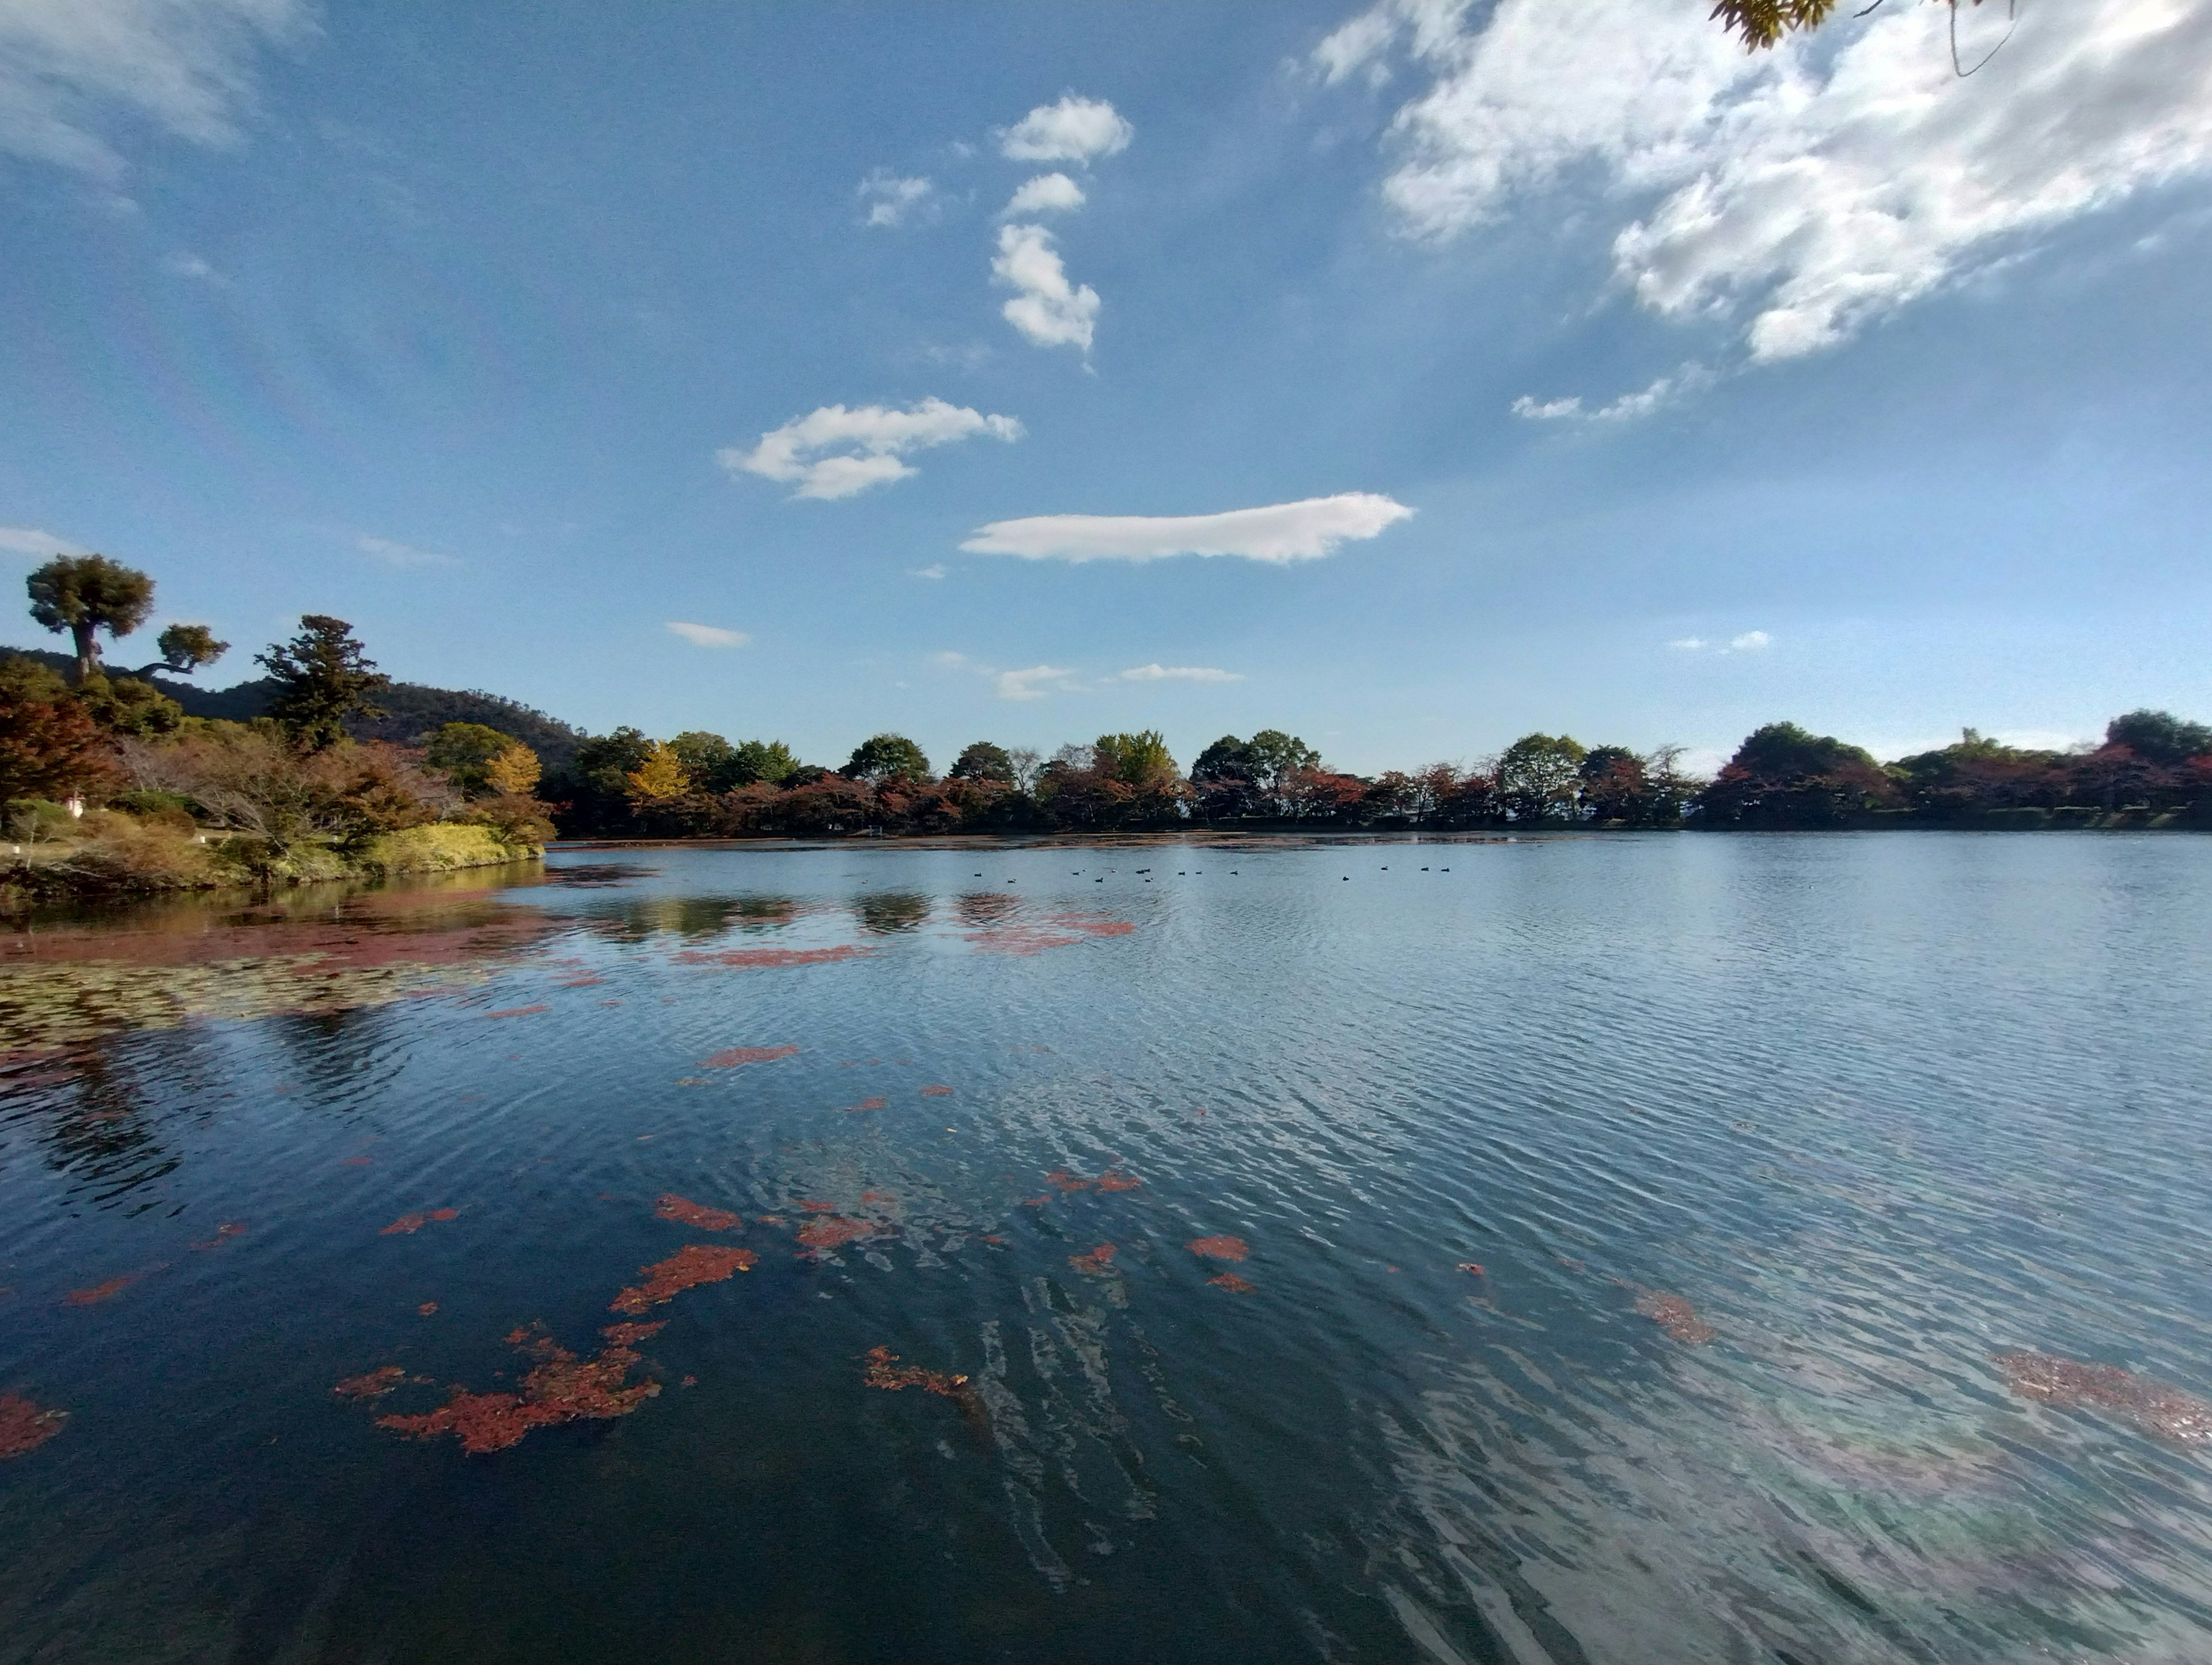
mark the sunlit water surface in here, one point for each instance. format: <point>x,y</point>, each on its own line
<point>1874,1109</point>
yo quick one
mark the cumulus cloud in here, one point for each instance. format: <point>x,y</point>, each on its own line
<point>1048,193</point>
<point>889,200</point>
<point>708,635</point>
<point>835,452</point>
<point>1075,129</point>
<point>1179,673</point>
<point>1627,407</point>
<point>1025,684</point>
<point>71,69</point>
<point>1048,310</point>
<point>37,544</point>
<point>1812,189</point>
<point>395,554</point>
<point>1751,642</point>
<point>1279,533</point>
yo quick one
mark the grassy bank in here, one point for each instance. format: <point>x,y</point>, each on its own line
<point>112,854</point>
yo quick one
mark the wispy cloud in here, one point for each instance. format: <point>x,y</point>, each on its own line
<point>835,452</point>
<point>1075,129</point>
<point>1828,183</point>
<point>395,554</point>
<point>37,544</point>
<point>708,635</point>
<point>184,263</point>
<point>1048,193</point>
<point>1627,407</point>
<point>934,570</point>
<point>1750,642</point>
<point>891,200</point>
<point>1179,673</point>
<point>1036,682</point>
<point>1047,309</point>
<point>1279,533</point>
<point>70,70</point>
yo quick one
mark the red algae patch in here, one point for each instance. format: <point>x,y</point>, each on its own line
<point>1110,1181</point>
<point>24,1426</point>
<point>224,1234</point>
<point>1049,931</point>
<point>673,1208</point>
<point>937,1092</point>
<point>561,1388</point>
<point>752,959</point>
<point>1060,1179</point>
<point>885,1371</point>
<point>1219,1249</point>
<point>730,1057</point>
<point>688,1267</point>
<point>813,1207</point>
<point>1674,1315</point>
<point>426,1309</point>
<point>99,1292</point>
<point>517,1012</point>
<point>829,1230</point>
<point>865,1104</point>
<point>628,1336</point>
<point>2152,1406</point>
<point>1232,1283</point>
<point>1096,1264</point>
<point>373,1385</point>
<point>408,1225</point>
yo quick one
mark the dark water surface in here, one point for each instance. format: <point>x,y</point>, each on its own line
<point>1873,1111</point>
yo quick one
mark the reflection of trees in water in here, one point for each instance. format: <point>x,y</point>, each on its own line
<point>892,911</point>
<point>637,919</point>
<point>336,1057</point>
<point>984,907</point>
<point>103,1133</point>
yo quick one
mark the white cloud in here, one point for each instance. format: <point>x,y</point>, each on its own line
<point>184,263</point>
<point>1048,193</point>
<point>891,201</point>
<point>37,544</point>
<point>934,570</point>
<point>1024,685</point>
<point>708,635</point>
<point>70,69</point>
<point>1627,407</point>
<point>1280,533</point>
<point>1688,644</point>
<point>1750,642</point>
<point>399,555</point>
<point>1179,673</point>
<point>1075,129</point>
<point>835,452</point>
<point>1048,310</point>
<point>1817,187</point>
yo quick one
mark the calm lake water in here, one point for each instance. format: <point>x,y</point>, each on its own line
<point>1633,1229</point>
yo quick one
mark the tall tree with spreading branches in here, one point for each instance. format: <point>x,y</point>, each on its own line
<point>85,594</point>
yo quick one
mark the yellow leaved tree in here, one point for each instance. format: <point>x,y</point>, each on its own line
<point>512,769</point>
<point>658,778</point>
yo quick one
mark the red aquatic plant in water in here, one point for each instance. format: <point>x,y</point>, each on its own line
<point>1232,1283</point>
<point>814,1208</point>
<point>24,1426</point>
<point>748,959</point>
<point>407,1225</point>
<point>1219,1249</point>
<point>1051,931</point>
<point>1110,1181</point>
<point>426,1309</point>
<point>1060,1179</point>
<point>373,1385</point>
<point>865,1104</point>
<point>730,1057</point>
<point>1674,1315</point>
<point>1096,1264</point>
<point>99,1292</point>
<point>2152,1406</point>
<point>673,1208</point>
<point>561,1388</point>
<point>629,1334</point>
<point>517,1012</point>
<point>937,1092</point>
<point>883,1371</point>
<point>829,1230</point>
<point>224,1234</point>
<point>689,1266</point>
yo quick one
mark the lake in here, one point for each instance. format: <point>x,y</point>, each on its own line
<point>1620,1248</point>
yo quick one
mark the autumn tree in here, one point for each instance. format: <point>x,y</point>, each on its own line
<point>85,594</point>
<point>658,779</point>
<point>2158,737</point>
<point>1784,775</point>
<point>463,752</point>
<point>512,771</point>
<point>50,746</point>
<point>886,757</point>
<point>323,675</point>
<point>1135,759</point>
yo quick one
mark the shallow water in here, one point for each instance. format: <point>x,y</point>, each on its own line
<point>1633,1227</point>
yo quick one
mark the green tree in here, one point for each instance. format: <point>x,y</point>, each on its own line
<point>886,757</point>
<point>84,594</point>
<point>184,648</point>
<point>1538,777</point>
<point>1273,757</point>
<point>463,752</point>
<point>1135,760</point>
<point>766,760</point>
<point>984,762</point>
<point>323,675</point>
<point>1784,775</point>
<point>2158,737</point>
<point>710,761</point>
<point>124,705</point>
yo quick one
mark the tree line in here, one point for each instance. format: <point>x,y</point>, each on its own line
<point>304,767</point>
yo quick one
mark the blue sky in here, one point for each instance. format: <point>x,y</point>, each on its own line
<point>1825,385</point>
